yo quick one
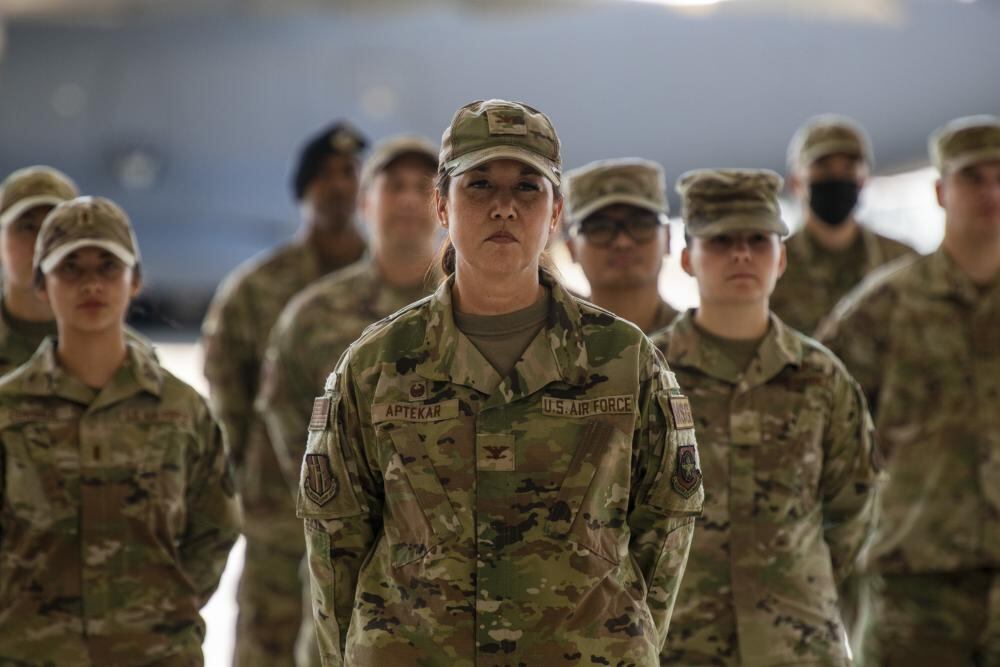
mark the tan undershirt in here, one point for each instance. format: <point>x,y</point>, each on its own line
<point>502,339</point>
<point>734,355</point>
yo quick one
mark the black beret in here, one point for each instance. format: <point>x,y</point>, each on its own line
<point>341,138</point>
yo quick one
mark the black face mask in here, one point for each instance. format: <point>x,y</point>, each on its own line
<point>833,201</point>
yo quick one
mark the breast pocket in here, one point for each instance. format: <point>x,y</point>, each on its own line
<point>41,479</point>
<point>164,474</point>
<point>591,507</point>
<point>39,501</point>
<point>788,463</point>
<point>418,512</point>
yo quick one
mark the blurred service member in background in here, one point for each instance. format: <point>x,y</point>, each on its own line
<point>923,339</point>
<point>829,161</point>
<point>235,331</point>
<point>397,197</point>
<point>26,197</point>
<point>618,234</point>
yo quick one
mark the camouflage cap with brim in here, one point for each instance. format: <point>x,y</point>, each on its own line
<point>964,142</point>
<point>828,134</point>
<point>393,148</point>
<point>631,181</point>
<point>483,131</point>
<point>34,186</point>
<point>720,201</point>
<point>85,222</point>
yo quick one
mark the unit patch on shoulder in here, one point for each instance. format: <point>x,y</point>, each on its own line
<point>320,414</point>
<point>687,477</point>
<point>319,485</point>
<point>680,408</point>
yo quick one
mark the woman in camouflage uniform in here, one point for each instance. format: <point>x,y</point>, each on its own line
<point>499,474</point>
<point>117,510</point>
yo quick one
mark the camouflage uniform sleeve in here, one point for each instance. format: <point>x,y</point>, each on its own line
<point>667,493</point>
<point>850,476</point>
<point>213,510</point>
<point>231,368</point>
<point>286,395</point>
<point>340,501</point>
<point>855,332</point>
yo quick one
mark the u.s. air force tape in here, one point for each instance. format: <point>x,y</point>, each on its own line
<point>585,407</point>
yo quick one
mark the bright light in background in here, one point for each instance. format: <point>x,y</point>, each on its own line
<point>682,3</point>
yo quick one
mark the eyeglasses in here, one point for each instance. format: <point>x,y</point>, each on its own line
<point>601,231</point>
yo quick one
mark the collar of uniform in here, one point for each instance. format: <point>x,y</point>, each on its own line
<point>140,372</point>
<point>874,257</point>
<point>450,356</point>
<point>804,247</point>
<point>779,348</point>
<point>389,298</point>
<point>946,280</point>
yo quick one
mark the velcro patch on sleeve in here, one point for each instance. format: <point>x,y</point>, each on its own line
<point>680,408</point>
<point>320,414</point>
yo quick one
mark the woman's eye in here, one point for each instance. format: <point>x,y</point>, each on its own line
<point>529,186</point>
<point>482,183</point>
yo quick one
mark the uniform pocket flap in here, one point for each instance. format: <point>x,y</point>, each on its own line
<point>425,483</point>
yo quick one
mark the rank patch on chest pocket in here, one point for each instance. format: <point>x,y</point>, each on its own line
<point>320,485</point>
<point>687,477</point>
<point>495,452</point>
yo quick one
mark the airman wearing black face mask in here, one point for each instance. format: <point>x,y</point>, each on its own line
<point>829,160</point>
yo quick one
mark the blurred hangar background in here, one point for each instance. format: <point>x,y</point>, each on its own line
<point>189,112</point>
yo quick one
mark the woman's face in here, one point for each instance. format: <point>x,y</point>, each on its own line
<point>736,268</point>
<point>499,216</point>
<point>89,291</point>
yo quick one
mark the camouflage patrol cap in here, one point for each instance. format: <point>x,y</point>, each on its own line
<point>341,138</point>
<point>965,141</point>
<point>85,222</point>
<point>33,186</point>
<point>602,183</point>
<point>386,151</point>
<point>717,201</point>
<point>828,134</point>
<point>483,131</point>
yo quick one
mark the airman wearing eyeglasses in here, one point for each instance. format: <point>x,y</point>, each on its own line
<point>618,235</point>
